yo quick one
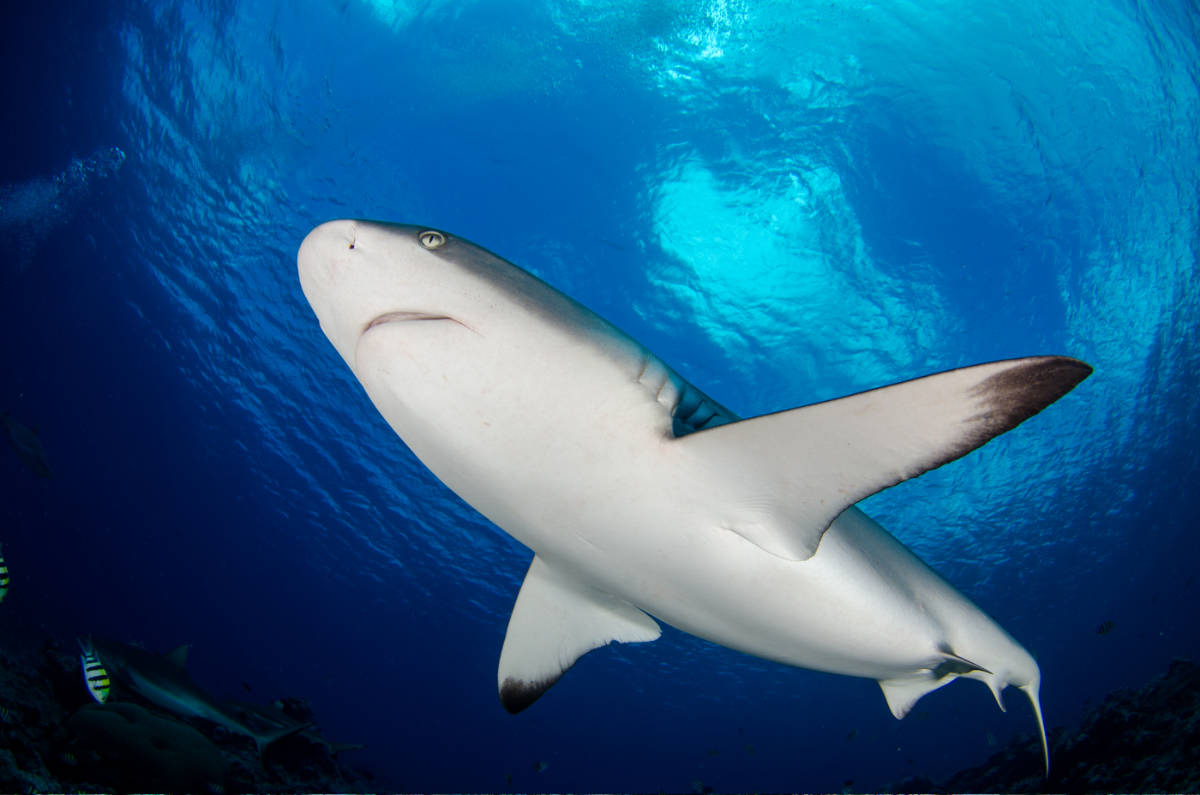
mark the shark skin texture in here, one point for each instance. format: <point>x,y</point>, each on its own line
<point>641,496</point>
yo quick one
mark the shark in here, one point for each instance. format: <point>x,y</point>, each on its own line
<point>276,717</point>
<point>643,499</point>
<point>163,680</point>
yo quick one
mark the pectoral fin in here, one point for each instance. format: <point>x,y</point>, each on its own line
<point>555,621</point>
<point>809,464</point>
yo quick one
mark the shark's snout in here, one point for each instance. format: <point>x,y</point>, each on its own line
<point>327,261</point>
<point>324,252</point>
<point>342,231</point>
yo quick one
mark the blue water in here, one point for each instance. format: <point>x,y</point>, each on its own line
<point>787,202</point>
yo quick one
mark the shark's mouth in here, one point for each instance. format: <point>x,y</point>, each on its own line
<point>406,317</point>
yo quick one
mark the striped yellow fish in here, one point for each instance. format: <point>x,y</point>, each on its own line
<point>94,675</point>
<point>3,576</point>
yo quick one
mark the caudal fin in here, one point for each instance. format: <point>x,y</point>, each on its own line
<point>1032,691</point>
<point>903,692</point>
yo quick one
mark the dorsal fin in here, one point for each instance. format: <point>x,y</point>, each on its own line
<point>804,467</point>
<point>179,655</point>
<point>555,621</point>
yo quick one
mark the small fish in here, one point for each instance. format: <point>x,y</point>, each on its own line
<point>6,715</point>
<point>541,767</point>
<point>94,675</point>
<point>1106,627</point>
<point>3,576</point>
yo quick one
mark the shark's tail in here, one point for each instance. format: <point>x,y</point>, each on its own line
<point>1032,690</point>
<point>903,692</point>
<point>264,740</point>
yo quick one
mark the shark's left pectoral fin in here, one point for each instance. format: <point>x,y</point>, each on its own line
<point>555,621</point>
<point>804,467</point>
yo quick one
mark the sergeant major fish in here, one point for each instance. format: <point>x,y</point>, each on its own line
<point>94,675</point>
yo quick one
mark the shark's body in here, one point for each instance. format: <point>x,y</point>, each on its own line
<point>641,495</point>
<point>163,680</point>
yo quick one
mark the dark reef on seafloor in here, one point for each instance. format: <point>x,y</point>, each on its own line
<point>1143,740</point>
<point>54,738</point>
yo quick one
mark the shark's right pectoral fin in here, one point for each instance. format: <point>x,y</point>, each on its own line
<point>808,465</point>
<point>555,621</point>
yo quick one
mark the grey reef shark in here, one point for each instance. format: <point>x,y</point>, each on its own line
<point>642,496</point>
<point>163,680</point>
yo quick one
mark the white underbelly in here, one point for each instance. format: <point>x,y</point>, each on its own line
<point>587,487</point>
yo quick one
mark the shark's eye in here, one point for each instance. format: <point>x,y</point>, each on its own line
<point>431,239</point>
